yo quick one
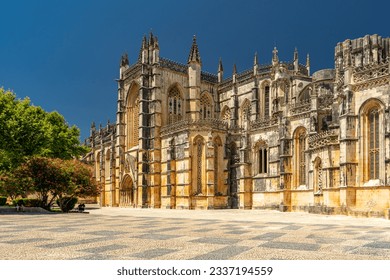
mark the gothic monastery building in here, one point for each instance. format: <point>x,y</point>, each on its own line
<point>272,137</point>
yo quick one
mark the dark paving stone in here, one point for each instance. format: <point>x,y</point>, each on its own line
<point>105,232</point>
<point>102,249</point>
<point>371,237</point>
<point>203,230</point>
<point>360,227</point>
<point>214,240</point>
<point>268,236</point>
<point>370,252</point>
<point>61,229</point>
<point>350,232</point>
<point>279,223</point>
<point>169,229</point>
<point>292,227</point>
<point>378,245</point>
<point>153,253</point>
<point>325,240</point>
<point>157,236</point>
<point>29,240</point>
<point>377,231</point>
<point>237,232</point>
<point>94,257</point>
<point>291,246</point>
<point>223,253</point>
<point>72,243</point>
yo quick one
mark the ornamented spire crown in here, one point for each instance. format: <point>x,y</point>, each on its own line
<point>194,52</point>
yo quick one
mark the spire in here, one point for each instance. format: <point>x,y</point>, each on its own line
<point>144,45</point>
<point>275,58</point>
<point>220,67</point>
<point>151,39</point>
<point>93,128</point>
<point>155,45</point>
<point>220,71</point>
<point>234,73</point>
<point>295,54</point>
<point>255,60</point>
<point>124,60</point>
<point>296,65</point>
<point>308,64</point>
<point>194,52</point>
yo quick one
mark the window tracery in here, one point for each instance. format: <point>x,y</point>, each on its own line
<point>175,106</point>
<point>373,152</point>
<point>206,107</point>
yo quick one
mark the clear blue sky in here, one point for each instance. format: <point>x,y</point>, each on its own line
<point>65,55</point>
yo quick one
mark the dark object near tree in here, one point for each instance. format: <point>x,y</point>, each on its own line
<point>3,200</point>
<point>67,203</point>
<point>81,207</point>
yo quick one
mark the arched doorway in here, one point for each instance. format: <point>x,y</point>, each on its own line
<point>126,198</point>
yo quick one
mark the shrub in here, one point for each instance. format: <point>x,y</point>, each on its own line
<point>28,202</point>
<point>3,200</point>
<point>67,203</point>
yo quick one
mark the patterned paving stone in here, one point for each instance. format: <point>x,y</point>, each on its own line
<point>115,233</point>
<point>291,246</point>
<point>61,229</point>
<point>378,245</point>
<point>105,232</point>
<point>268,236</point>
<point>214,240</point>
<point>157,236</point>
<point>71,243</point>
<point>237,232</point>
<point>102,249</point>
<point>153,253</point>
<point>28,240</point>
<point>292,227</point>
<point>169,229</point>
<point>225,253</point>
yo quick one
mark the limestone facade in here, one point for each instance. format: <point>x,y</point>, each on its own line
<point>274,136</point>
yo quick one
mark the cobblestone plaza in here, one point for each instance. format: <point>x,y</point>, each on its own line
<point>143,234</point>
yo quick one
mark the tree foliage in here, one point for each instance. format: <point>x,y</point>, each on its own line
<point>28,130</point>
<point>51,179</point>
<point>37,153</point>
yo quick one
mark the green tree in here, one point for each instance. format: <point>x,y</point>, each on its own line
<point>28,130</point>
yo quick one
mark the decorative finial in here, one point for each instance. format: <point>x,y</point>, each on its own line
<point>124,60</point>
<point>255,61</point>
<point>296,54</point>
<point>194,52</point>
<point>275,57</point>
<point>220,67</point>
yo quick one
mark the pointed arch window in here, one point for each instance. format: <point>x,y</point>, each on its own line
<point>263,160</point>
<point>175,106</point>
<point>199,144</point>
<point>226,115</point>
<point>132,117</point>
<point>245,112</point>
<point>217,153</point>
<point>266,101</point>
<point>373,143</point>
<point>299,156</point>
<point>206,107</point>
<point>318,176</point>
